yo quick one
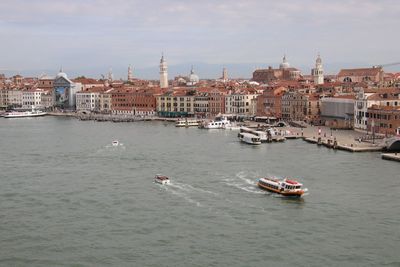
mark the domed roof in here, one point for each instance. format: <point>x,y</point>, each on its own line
<point>62,74</point>
<point>193,78</point>
<point>284,64</point>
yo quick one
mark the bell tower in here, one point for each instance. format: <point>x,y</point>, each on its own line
<point>318,71</point>
<point>163,73</point>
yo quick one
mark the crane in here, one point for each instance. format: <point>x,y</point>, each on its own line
<point>386,65</point>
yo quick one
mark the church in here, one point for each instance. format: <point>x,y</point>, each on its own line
<point>285,72</point>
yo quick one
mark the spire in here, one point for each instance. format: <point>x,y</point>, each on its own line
<point>191,70</point>
<point>162,57</point>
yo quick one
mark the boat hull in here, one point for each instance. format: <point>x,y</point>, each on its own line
<point>283,193</point>
<point>10,116</point>
<point>164,182</point>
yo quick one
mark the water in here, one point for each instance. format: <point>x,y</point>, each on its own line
<point>69,198</point>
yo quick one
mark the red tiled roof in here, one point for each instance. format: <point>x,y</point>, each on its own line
<point>360,72</point>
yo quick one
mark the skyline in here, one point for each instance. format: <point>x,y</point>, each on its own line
<point>90,37</point>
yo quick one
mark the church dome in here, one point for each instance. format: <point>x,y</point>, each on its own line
<point>193,78</point>
<point>285,64</point>
<point>62,74</point>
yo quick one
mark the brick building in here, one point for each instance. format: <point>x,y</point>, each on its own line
<point>383,119</point>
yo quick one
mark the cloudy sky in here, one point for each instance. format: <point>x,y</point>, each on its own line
<point>90,36</point>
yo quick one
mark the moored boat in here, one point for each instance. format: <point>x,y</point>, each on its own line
<point>249,138</point>
<point>187,123</point>
<point>161,179</point>
<point>24,114</point>
<point>285,187</point>
<point>218,123</point>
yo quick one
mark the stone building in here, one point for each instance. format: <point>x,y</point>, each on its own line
<point>298,106</point>
<point>175,104</point>
<point>285,72</point>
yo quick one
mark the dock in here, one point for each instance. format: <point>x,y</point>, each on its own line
<point>391,156</point>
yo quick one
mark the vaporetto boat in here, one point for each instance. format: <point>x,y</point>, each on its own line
<point>249,138</point>
<point>285,187</point>
<point>187,123</point>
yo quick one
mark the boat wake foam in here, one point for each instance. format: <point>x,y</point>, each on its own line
<point>242,182</point>
<point>189,188</point>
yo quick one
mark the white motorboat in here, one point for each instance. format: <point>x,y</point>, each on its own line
<point>161,179</point>
<point>24,114</point>
<point>249,138</point>
<point>218,123</point>
<point>115,143</point>
<point>262,135</point>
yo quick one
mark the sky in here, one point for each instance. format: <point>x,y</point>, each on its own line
<point>88,37</point>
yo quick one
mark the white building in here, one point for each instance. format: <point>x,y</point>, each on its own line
<point>65,91</point>
<point>88,101</point>
<point>32,98</point>
<point>318,72</point>
<point>163,73</point>
<point>241,103</point>
<point>365,100</point>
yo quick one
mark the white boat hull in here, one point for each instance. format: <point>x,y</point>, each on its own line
<point>24,115</point>
<point>164,182</point>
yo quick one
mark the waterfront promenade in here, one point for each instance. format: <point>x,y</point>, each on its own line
<point>349,140</point>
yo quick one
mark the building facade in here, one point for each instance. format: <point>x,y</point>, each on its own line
<point>175,105</point>
<point>64,91</point>
<point>383,119</point>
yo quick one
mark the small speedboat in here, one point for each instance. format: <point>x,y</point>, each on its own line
<point>285,187</point>
<point>115,143</point>
<point>161,179</point>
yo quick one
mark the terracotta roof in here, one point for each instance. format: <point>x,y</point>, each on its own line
<point>360,72</point>
<point>377,107</point>
<point>345,96</point>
